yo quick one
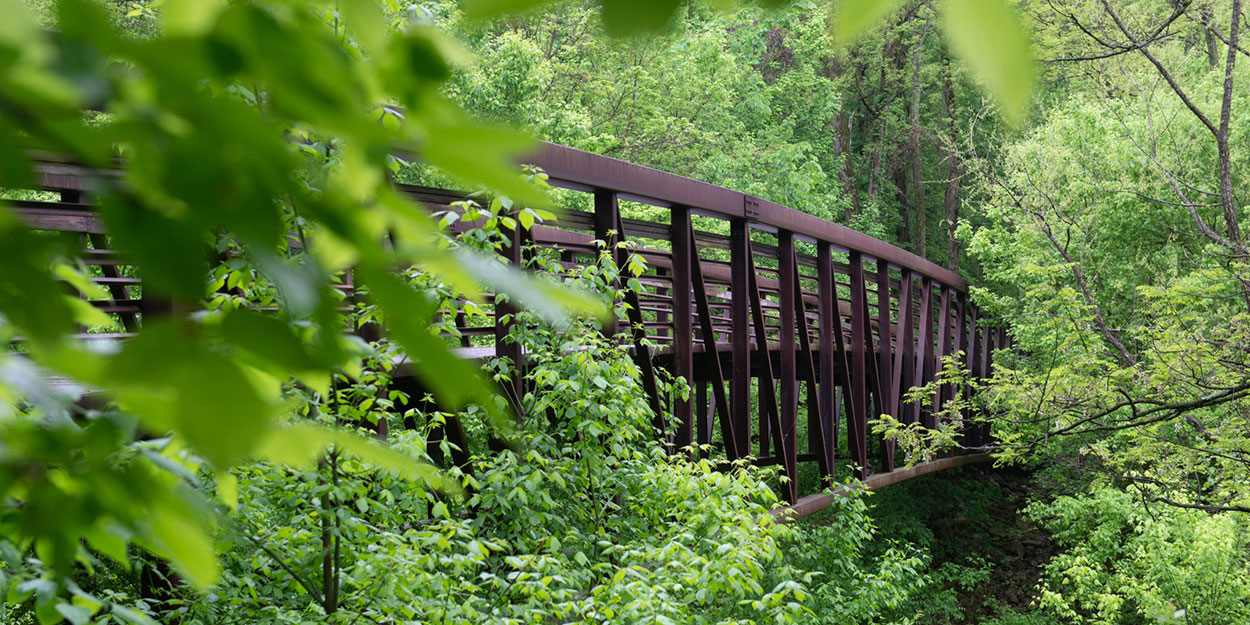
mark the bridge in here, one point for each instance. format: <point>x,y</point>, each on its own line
<point>759,306</point>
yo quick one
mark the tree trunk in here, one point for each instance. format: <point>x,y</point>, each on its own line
<point>1213,49</point>
<point>842,144</point>
<point>954,173</point>
<point>913,146</point>
<point>1227,200</point>
<point>878,148</point>
<point>846,174</point>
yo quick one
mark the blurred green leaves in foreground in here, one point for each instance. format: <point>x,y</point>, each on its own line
<point>987,34</point>
<point>235,130</point>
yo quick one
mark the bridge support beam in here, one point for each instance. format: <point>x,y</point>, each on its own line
<point>857,418</point>
<point>766,395</point>
<point>886,392</point>
<point>924,351</point>
<point>788,276</point>
<point>830,326</point>
<point>740,389</point>
<point>815,503</point>
<point>905,349</point>
<point>683,356</point>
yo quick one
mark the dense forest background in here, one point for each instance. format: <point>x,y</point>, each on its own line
<point>1101,226</point>
<point>1104,227</point>
<point>874,135</point>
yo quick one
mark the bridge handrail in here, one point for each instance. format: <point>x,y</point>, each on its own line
<point>750,337</point>
<point>587,171</point>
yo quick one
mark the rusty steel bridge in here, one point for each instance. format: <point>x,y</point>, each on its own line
<point>759,306</point>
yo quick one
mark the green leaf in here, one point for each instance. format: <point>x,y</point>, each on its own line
<point>15,168</point>
<point>453,380</point>
<point>86,314</point>
<point>228,489</point>
<point>853,18</point>
<point>365,21</point>
<point>19,29</point>
<point>483,155</point>
<point>300,444</point>
<point>182,540</point>
<point>171,254</point>
<point>190,17</point>
<point>131,616</point>
<point>638,17</point>
<point>24,278</point>
<point>78,279</point>
<point>989,37</point>
<point>550,301</point>
<point>481,9</point>
<point>109,541</point>
<point>77,615</point>
<point>173,382</point>
<point>268,338</point>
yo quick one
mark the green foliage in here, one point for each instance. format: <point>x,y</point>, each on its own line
<point>1123,564</point>
<point>237,125</point>
<point>852,17</point>
<point>865,576</point>
<point>987,34</point>
<point>960,409</point>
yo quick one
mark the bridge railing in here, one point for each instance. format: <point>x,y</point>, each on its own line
<point>758,305</point>
<point>850,321</point>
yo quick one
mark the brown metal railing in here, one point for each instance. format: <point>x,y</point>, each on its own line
<point>779,320</point>
<point>762,304</point>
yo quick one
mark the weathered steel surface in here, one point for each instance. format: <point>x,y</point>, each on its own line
<point>812,504</point>
<point>751,302</point>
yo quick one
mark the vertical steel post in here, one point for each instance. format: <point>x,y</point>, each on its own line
<point>703,418</point>
<point>924,353</point>
<point>607,212</point>
<point>830,323</point>
<point>787,276</point>
<point>974,372</point>
<point>504,311</point>
<point>740,389</point>
<point>905,350</point>
<point>959,311</point>
<point>719,404</point>
<point>943,346</point>
<point>766,398</point>
<point>857,424</point>
<point>886,393</point>
<point>683,355</point>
